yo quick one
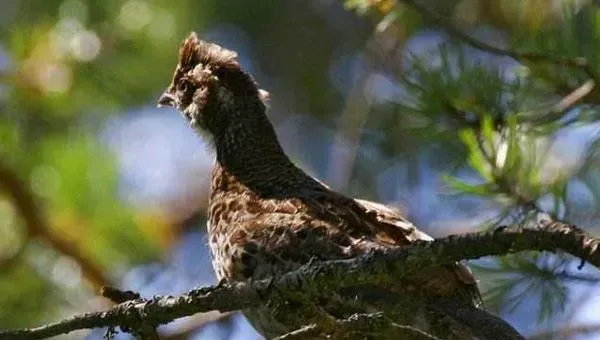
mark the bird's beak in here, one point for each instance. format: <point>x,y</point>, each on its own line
<point>167,99</point>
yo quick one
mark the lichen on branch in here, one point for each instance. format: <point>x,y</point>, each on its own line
<point>319,278</point>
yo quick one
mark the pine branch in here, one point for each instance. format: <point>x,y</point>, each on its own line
<point>321,278</point>
<point>446,24</point>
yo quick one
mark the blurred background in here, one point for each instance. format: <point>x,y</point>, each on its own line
<point>465,114</point>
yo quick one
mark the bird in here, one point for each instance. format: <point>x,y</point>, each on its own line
<point>267,216</point>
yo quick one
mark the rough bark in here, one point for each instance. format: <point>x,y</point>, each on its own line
<point>318,278</point>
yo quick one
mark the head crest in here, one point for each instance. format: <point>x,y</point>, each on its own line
<point>194,51</point>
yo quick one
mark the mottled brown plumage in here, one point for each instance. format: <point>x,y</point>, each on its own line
<point>267,216</point>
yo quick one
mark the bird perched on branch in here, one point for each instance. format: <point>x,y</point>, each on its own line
<point>267,216</point>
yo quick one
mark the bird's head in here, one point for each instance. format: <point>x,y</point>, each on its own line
<point>208,85</point>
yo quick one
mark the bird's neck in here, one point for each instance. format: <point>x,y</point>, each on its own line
<point>250,158</point>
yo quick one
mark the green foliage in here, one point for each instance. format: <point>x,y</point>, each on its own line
<point>79,180</point>
<point>500,119</point>
<point>71,65</point>
<point>491,123</point>
<point>29,297</point>
<point>525,277</point>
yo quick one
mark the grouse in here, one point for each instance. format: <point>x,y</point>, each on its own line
<point>266,216</point>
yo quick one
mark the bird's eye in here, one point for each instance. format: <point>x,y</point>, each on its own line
<point>182,85</point>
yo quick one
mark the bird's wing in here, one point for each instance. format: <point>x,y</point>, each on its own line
<point>385,223</point>
<point>322,224</point>
<point>389,216</point>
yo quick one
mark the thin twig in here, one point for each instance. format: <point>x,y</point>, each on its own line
<point>365,323</point>
<point>575,96</point>
<point>566,332</point>
<point>307,332</point>
<point>356,326</point>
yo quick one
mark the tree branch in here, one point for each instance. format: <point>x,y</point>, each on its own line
<point>448,26</point>
<point>143,330</point>
<point>321,278</point>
